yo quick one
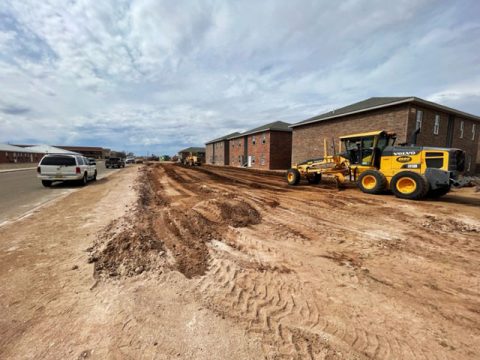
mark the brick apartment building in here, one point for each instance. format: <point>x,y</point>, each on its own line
<point>265,147</point>
<point>10,154</point>
<point>439,126</point>
<point>217,151</point>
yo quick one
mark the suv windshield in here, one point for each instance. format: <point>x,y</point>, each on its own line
<point>59,160</point>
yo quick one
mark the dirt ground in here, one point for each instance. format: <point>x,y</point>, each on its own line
<point>212,263</point>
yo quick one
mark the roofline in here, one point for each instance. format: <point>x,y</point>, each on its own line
<point>399,102</point>
<point>255,132</point>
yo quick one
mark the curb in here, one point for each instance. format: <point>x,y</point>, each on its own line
<point>21,169</point>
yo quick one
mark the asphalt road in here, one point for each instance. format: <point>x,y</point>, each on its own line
<point>22,191</point>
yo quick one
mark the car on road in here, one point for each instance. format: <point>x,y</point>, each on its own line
<point>130,160</point>
<point>114,162</point>
<point>66,167</point>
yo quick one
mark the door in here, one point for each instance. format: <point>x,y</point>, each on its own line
<point>249,164</point>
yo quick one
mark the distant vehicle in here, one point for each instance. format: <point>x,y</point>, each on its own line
<point>92,161</point>
<point>114,162</point>
<point>65,167</point>
<point>130,160</point>
<point>139,160</point>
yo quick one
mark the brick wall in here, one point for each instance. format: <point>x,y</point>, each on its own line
<point>426,137</point>
<point>260,150</point>
<point>12,157</point>
<point>280,150</point>
<point>307,141</point>
<point>209,154</point>
<point>237,149</point>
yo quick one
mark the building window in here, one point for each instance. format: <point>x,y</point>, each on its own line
<point>262,160</point>
<point>419,119</point>
<point>253,140</point>
<point>239,143</point>
<point>239,159</point>
<point>264,138</point>
<point>462,124</point>
<point>436,126</point>
<point>253,159</point>
<point>473,131</point>
<point>469,162</point>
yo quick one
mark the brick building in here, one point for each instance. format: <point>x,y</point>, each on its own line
<point>217,150</point>
<point>265,147</point>
<point>10,154</point>
<point>439,125</point>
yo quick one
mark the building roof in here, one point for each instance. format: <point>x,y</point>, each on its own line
<point>222,138</point>
<point>47,149</point>
<point>80,148</point>
<point>193,149</point>
<point>375,103</point>
<point>274,126</point>
<point>8,147</point>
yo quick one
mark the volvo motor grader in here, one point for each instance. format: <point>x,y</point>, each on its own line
<point>376,164</point>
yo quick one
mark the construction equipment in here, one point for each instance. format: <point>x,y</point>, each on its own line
<point>192,160</point>
<point>376,164</point>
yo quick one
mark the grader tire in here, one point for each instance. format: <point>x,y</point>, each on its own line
<point>314,178</point>
<point>372,182</point>
<point>409,185</point>
<point>293,177</point>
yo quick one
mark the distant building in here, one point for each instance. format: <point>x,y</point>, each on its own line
<point>217,151</point>
<point>266,147</point>
<point>195,151</point>
<point>88,151</point>
<point>440,126</point>
<point>10,154</point>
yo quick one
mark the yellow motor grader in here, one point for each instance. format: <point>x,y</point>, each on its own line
<point>376,164</point>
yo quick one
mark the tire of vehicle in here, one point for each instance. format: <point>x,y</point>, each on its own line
<point>46,183</point>
<point>314,179</point>
<point>372,182</point>
<point>438,192</point>
<point>409,185</point>
<point>84,180</point>
<point>95,176</point>
<point>293,177</point>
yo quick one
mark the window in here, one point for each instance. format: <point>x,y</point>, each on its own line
<point>253,140</point>
<point>473,131</point>
<point>469,162</point>
<point>59,160</point>
<point>419,119</point>
<point>436,126</point>
<point>262,160</point>
<point>264,138</point>
<point>253,159</point>
<point>462,124</point>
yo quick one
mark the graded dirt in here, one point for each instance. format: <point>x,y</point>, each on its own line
<point>223,263</point>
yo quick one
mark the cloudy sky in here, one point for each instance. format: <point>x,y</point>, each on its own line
<point>155,76</point>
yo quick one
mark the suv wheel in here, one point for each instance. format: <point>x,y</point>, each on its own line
<point>95,176</point>
<point>46,183</point>
<point>84,180</point>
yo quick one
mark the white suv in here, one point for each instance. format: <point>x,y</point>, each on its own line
<point>66,167</point>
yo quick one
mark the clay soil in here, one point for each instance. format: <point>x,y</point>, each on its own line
<point>169,262</point>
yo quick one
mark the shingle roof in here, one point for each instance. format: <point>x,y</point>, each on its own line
<point>274,126</point>
<point>193,149</point>
<point>222,138</point>
<point>377,103</point>
<point>8,147</point>
<point>47,149</point>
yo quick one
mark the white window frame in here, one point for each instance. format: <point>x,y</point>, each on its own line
<point>474,128</point>
<point>264,138</point>
<point>462,127</point>
<point>436,126</point>
<point>254,140</point>
<point>419,119</point>
<point>469,163</point>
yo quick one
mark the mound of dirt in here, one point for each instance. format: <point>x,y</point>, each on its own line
<point>239,213</point>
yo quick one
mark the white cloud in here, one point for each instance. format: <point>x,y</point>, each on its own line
<point>162,75</point>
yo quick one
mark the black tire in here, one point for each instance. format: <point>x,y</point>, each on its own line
<point>293,177</point>
<point>409,185</point>
<point>314,178</point>
<point>372,182</point>
<point>46,183</point>
<point>95,176</point>
<point>84,180</point>
<point>438,192</point>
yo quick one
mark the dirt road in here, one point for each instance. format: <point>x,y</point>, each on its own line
<point>214,263</point>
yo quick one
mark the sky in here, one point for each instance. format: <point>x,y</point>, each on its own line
<point>153,76</point>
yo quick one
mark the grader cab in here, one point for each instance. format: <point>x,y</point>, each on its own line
<point>376,164</point>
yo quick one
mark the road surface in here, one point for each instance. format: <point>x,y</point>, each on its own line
<point>21,191</point>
